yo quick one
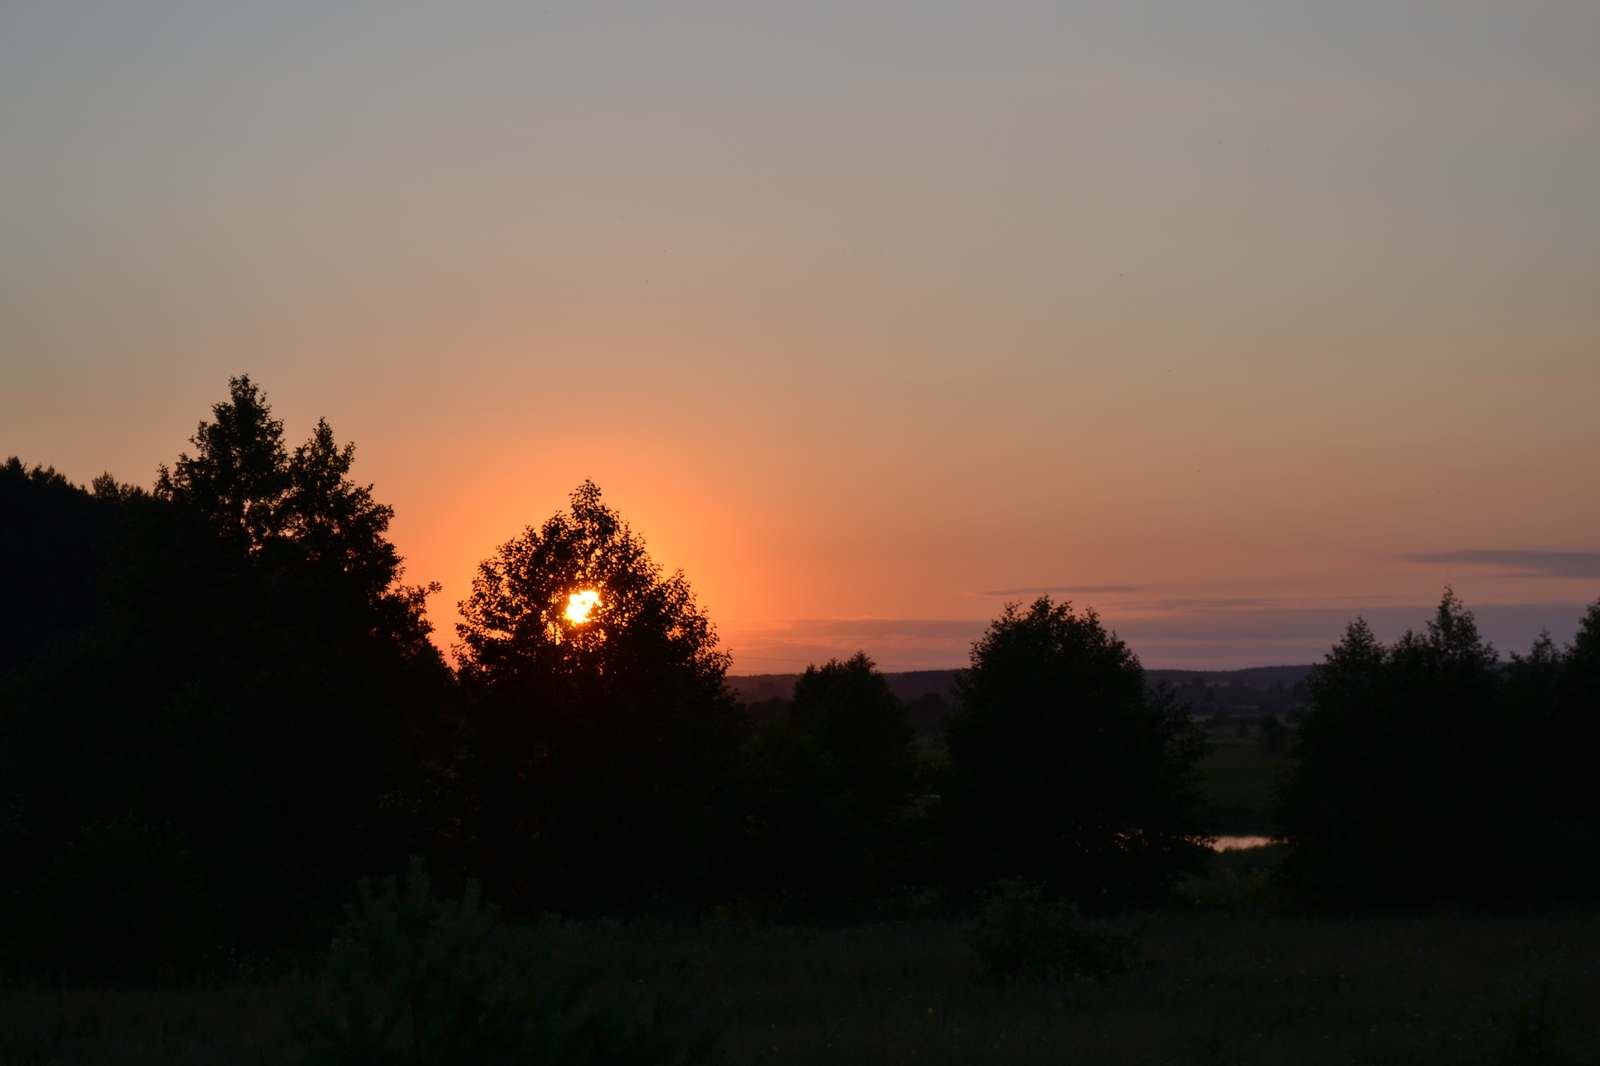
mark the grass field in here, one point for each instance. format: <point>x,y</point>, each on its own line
<point>1213,989</point>
<point>1227,977</point>
<point>1239,779</point>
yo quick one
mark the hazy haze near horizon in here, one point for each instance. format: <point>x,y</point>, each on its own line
<point>1238,319</point>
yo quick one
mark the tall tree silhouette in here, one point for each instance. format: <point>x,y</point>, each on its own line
<point>1065,768</point>
<point>833,782</point>
<point>1568,823</point>
<point>1429,771</point>
<point>605,743</point>
<point>862,725</point>
<point>239,477</point>
<point>1395,772</point>
<point>258,679</point>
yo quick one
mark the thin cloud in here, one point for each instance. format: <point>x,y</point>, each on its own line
<point>853,628</point>
<point>1209,604</point>
<point>1521,563</point>
<point>1061,588</point>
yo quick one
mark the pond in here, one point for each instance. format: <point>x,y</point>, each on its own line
<point>1240,843</point>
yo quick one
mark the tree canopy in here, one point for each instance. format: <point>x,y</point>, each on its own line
<point>254,678</point>
<point>1065,768</point>
<point>833,783</point>
<point>53,541</point>
<point>603,749</point>
<point>1429,771</point>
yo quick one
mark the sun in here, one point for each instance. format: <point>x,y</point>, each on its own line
<point>580,604</point>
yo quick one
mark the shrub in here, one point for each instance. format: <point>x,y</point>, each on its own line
<point>417,980</point>
<point>123,902</point>
<point>1273,739</point>
<point>1021,936</point>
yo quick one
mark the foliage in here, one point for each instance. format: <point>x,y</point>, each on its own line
<point>833,782</point>
<point>1239,880</point>
<point>1391,789</point>
<point>415,979</point>
<point>253,676</point>
<point>1020,936</point>
<point>219,706</point>
<point>1549,734</point>
<point>1273,739</point>
<point>122,902</point>
<point>862,725</point>
<point>1463,988</point>
<point>605,753</point>
<point>516,629</point>
<point>53,538</point>
<point>1065,768</point>
<point>803,848</point>
<point>1429,771</point>
<point>297,511</point>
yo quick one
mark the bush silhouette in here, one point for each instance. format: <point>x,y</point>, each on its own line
<point>862,725</point>
<point>1020,936</point>
<point>123,902</point>
<point>1273,738</point>
<point>417,980</point>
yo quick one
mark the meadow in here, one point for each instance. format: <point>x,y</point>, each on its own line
<point>1239,779</point>
<point>1227,975</point>
<point>1212,989</point>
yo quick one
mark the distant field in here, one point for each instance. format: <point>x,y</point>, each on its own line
<point>1215,989</point>
<point>1239,779</point>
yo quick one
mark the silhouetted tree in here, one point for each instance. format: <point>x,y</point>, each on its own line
<point>1546,845</point>
<point>1399,781</point>
<point>257,682</point>
<point>927,713</point>
<point>237,482</point>
<point>53,538</point>
<point>1570,821</point>
<point>863,727</point>
<point>124,901</point>
<point>804,852</point>
<point>604,751</point>
<point>1065,768</point>
<point>1273,739</point>
<point>833,787</point>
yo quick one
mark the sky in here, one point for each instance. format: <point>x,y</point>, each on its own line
<point>1231,320</point>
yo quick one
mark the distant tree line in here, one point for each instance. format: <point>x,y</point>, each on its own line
<point>220,706</point>
<point>1431,771</point>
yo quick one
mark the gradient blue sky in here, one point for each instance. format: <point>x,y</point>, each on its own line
<point>1236,318</point>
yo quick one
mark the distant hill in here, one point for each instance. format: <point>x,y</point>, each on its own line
<point>1261,677</point>
<point>913,684</point>
<point>930,694</point>
<point>910,685</point>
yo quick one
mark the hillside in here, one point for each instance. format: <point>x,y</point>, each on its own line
<point>930,693</point>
